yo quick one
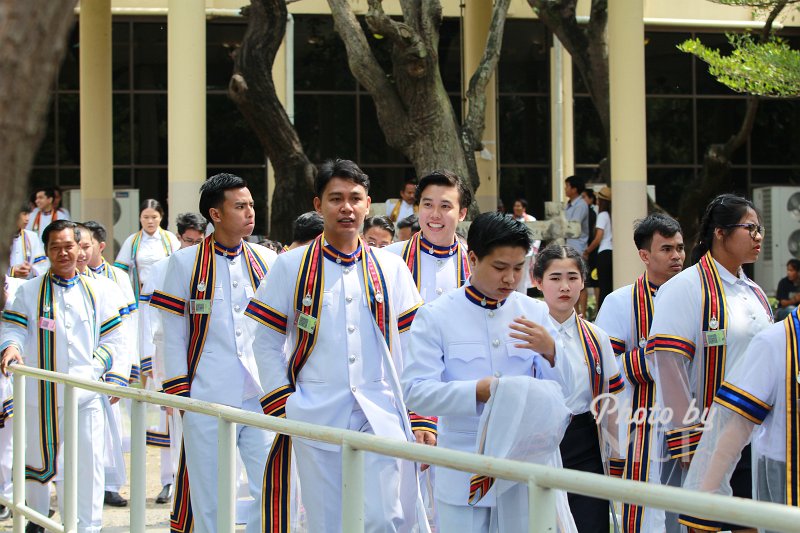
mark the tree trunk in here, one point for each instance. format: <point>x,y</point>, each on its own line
<point>253,90</point>
<point>28,66</point>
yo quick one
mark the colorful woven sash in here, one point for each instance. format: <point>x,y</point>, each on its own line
<point>792,411</point>
<point>715,317</point>
<point>37,220</point>
<point>643,393</point>
<point>308,293</point>
<point>133,269</point>
<point>414,248</point>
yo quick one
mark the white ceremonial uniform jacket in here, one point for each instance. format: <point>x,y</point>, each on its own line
<point>438,275</point>
<point>350,361</point>
<point>151,250</point>
<point>445,361</point>
<point>27,247</point>
<point>151,332</point>
<point>226,372</point>
<point>405,211</point>
<point>44,219</point>
<point>81,330</point>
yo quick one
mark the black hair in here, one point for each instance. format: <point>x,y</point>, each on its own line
<point>645,228</point>
<point>48,191</point>
<point>523,202</point>
<point>721,212</point>
<point>603,205</point>
<point>60,225</point>
<point>97,230</point>
<point>556,251</point>
<point>212,192</point>
<point>338,168</point>
<point>491,230</point>
<point>275,246</point>
<point>152,204</point>
<point>794,263</point>
<point>187,221</point>
<point>381,222</point>
<point>407,182</point>
<point>577,182</point>
<point>307,226</point>
<point>445,178</point>
<point>409,222</point>
<point>590,193</point>
<point>25,207</point>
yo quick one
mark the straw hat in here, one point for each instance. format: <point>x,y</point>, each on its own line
<point>604,193</point>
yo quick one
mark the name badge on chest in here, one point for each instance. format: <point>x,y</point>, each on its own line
<point>305,322</point>
<point>200,307</point>
<point>714,338</point>
<point>47,323</point>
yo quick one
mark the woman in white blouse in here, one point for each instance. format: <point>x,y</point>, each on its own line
<point>146,247</point>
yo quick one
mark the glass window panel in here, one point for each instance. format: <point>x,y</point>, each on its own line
<point>121,55</point>
<point>42,177</point>
<point>450,54</point>
<point>385,182</point>
<point>122,128</point>
<point>152,183</point>
<point>524,123</point>
<point>46,154</point>
<point>123,178</point>
<point>578,86</point>
<point>670,184</point>
<point>69,177</point>
<point>775,133</point>
<point>590,142</point>
<point>374,148</point>
<point>667,69</point>
<point>229,138</point>
<point>706,83</point>
<point>524,58</point>
<point>456,102</point>
<point>669,131</point>
<point>530,183</point>
<point>320,58</point>
<point>69,130</point>
<point>760,177</point>
<point>222,39</point>
<point>256,177</point>
<point>150,55</point>
<point>68,75</point>
<point>150,129</point>
<point>326,125</point>
<point>717,120</point>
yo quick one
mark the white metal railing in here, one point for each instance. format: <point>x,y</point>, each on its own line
<point>541,480</point>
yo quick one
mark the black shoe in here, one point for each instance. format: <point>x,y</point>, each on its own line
<point>165,494</point>
<point>5,512</point>
<point>114,499</point>
<point>33,528</point>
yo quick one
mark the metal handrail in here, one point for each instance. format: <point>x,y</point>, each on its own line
<point>541,480</point>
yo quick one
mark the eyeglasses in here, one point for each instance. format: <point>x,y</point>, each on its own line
<point>751,228</point>
<point>190,242</point>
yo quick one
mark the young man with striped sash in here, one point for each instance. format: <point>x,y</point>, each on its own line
<point>209,350</point>
<point>62,321</point>
<point>28,259</point>
<point>626,316</point>
<point>759,399</point>
<point>333,319</point>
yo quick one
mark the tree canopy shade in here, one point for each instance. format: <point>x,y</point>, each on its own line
<point>414,111</point>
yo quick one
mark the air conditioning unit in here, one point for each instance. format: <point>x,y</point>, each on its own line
<point>780,210</point>
<point>126,213</point>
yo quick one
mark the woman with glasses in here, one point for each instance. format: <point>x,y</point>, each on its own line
<point>703,321</point>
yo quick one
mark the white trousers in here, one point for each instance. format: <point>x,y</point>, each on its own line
<point>91,431</point>
<point>321,479</point>
<point>6,457</point>
<point>463,518</point>
<point>116,475</point>
<point>200,446</point>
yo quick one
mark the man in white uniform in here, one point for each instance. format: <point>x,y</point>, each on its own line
<point>209,353</point>
<point>449,370</point>
<point>45,211</point>
<point>62,321</point>
<point>343,310</point>
<point>398,209</point>
<point>626,316</point>
<point>168,435</point>
<point>28,259</point>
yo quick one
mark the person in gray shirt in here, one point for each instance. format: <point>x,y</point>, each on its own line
<point>578,210</point>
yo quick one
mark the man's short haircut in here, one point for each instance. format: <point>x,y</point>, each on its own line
<point>381,222</point>
<point>408,222</point>
<point>97,230</point>
<point>577,182</point>
<point>187,221</point>
<point>60,225</point>
<point>794,263</point>
<point>492,230</point>
<point>307,227</point>
<point>48,191</point>
<point>445,178</point>
<point>25,207</point>
<point>523,202</point>
<point>338,168</point>
<point>646,228</point>
<point>212,192</point>
<point>409,181</point>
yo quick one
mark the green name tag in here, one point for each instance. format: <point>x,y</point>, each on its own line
<point>200,307</point>
<point>306,322</point>
<point>714,338</point>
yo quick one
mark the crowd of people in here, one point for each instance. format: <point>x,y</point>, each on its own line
<point>426,336</point>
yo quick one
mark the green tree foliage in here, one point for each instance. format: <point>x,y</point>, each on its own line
<point>769,68</point>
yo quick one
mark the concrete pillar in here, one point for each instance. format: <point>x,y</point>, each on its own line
<point>475,25</point>
<point>97,157</point>
<point>628,132</point>
<point>561,119</point>
<point>186,104</point>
